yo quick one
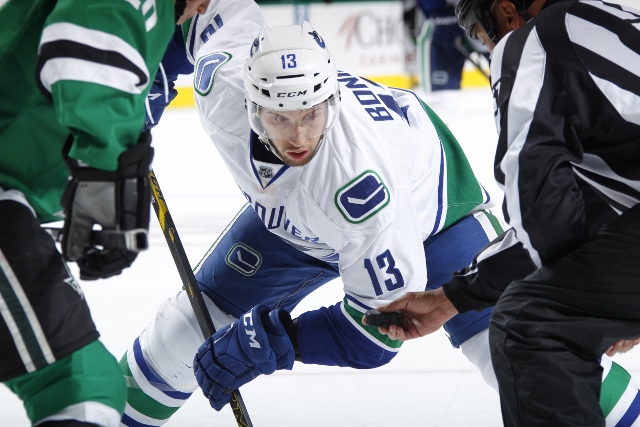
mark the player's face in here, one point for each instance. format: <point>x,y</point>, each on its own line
<point>295,134</point>
<point>193,7</point>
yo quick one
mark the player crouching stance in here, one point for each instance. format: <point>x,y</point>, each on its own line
<point>344,178</point>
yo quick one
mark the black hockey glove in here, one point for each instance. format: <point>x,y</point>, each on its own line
<point>119,201</point>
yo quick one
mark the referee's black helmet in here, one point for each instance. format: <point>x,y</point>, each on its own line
<point>471,12</point>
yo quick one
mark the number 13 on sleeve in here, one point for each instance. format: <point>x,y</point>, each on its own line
<point>385,259</point>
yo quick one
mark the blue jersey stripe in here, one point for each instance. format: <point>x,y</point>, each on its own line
<point>440,192</point>
<point>441,177</point>
<point>350,298</point>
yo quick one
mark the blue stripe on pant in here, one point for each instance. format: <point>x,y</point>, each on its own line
<point>251,265</point>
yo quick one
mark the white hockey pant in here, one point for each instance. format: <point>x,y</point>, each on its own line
<point>171,341</point>
<point>161,361</point>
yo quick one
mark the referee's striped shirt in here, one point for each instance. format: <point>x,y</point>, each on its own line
<point>567,91</point>
<point>566,88</point>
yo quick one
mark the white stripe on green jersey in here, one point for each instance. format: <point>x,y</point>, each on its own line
<point>84,69</point>
<point>22,321</point>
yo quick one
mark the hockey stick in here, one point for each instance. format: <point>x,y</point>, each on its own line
<point>462,49</point>
<point>189,282</point>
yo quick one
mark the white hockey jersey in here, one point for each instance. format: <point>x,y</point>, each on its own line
<point>385,178</point>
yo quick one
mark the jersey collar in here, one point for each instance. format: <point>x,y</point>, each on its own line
<point>267,168</point>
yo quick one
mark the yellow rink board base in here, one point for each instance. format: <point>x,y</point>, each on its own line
<point>470,79</point>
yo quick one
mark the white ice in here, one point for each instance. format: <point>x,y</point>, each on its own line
<point>428,384</point>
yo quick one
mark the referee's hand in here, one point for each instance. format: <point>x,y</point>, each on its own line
<point>422,313</point>
<point>622,346</point>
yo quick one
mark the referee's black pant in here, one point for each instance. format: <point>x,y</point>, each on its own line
<point>549,330</point>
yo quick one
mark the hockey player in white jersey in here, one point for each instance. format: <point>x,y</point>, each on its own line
<point>344,177</point>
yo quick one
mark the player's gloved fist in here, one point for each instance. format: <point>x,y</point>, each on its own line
<point>159,98</point>
<point>255,344</point>
<point>118,201</point>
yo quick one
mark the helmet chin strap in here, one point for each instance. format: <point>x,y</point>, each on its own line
<point>179,7</point>
<point>522,6</point>
<point>269,146</point>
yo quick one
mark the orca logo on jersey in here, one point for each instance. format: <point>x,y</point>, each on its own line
<point>254,47</point>
<point>362,197</point>
<point>243,259</point>
<point>317,38</point>
<point>248,321</point>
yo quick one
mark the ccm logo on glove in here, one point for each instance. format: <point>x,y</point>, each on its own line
<point>228,360</point>
<point>251,332</point>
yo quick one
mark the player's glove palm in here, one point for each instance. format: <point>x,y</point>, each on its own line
<point>118,201</point>
<point>255,344</point>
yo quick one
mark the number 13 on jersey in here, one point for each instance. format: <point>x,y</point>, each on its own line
<point>387,265</point>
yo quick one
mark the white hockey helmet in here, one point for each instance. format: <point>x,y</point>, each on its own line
<point>290,69</point>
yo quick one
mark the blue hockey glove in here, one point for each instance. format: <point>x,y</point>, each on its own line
<point>255,344</point>
<point>159,99</point>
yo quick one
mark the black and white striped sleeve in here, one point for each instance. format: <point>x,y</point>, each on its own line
<point>566,89</point>
<point>505,260</point>
<point>565,113</point>
<point>606,40</point>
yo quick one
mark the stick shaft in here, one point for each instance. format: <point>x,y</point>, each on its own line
<point>467,54</point>
<point>188,280</point>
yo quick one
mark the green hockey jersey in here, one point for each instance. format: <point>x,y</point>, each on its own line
<point>73,67</point>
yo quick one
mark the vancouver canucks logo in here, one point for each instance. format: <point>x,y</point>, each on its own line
<point>317,38</point>
<point>362,197</point>
<point>206,69</point>
<point>243,259</point>
<point>254,46</point>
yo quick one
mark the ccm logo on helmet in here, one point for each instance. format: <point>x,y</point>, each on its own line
<point>291,94</point>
